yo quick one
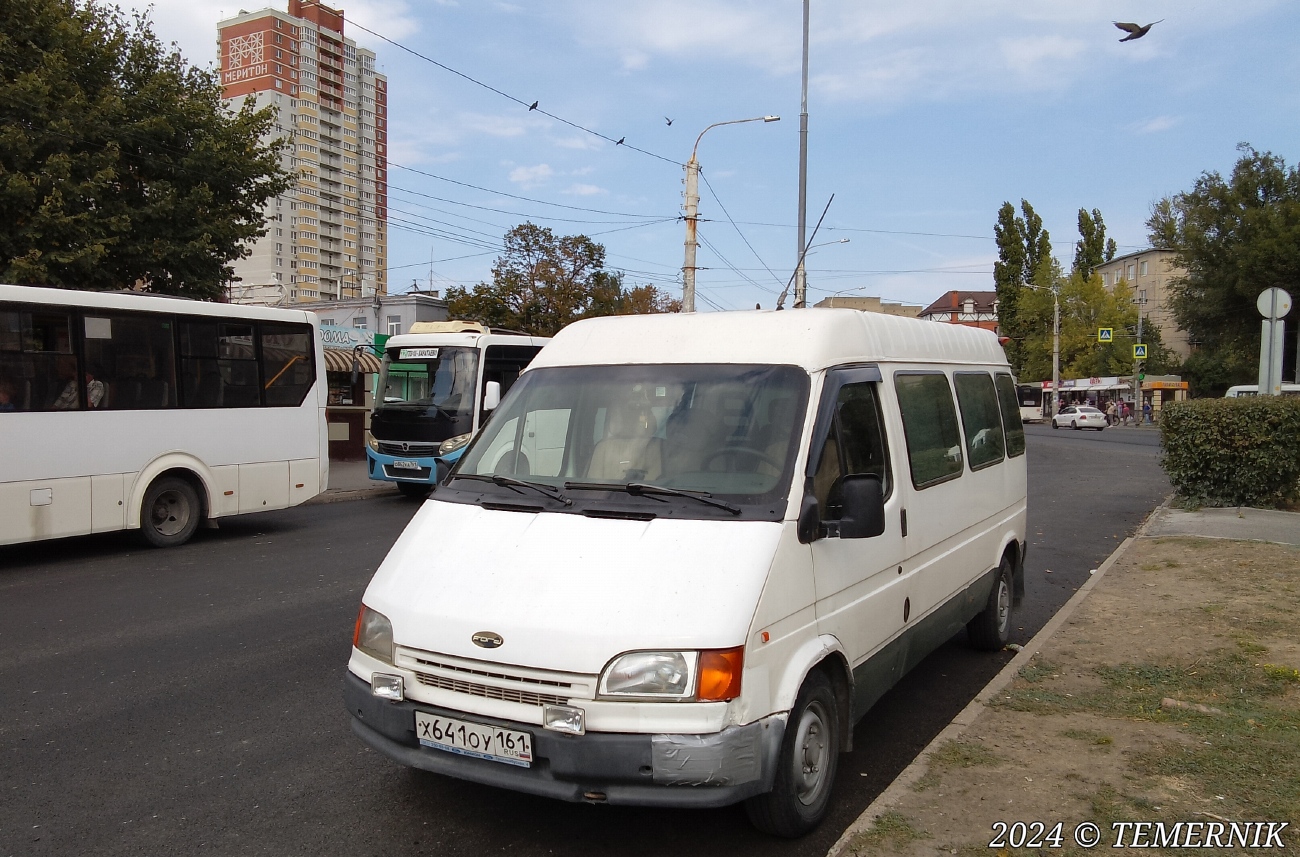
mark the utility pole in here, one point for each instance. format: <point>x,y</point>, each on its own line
<point>692,215</point>
<point>692,211</point>
<point>800,275</point>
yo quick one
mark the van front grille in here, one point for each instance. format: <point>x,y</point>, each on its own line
<point>523,697</point>
<point>503,682</point>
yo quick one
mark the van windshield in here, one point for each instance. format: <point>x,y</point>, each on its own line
<point>726,430</point>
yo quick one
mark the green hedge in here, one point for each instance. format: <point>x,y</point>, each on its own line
<point>1233,452</point>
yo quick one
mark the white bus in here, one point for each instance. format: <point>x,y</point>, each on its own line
<point>132,411</point>
<point>1244,390</point>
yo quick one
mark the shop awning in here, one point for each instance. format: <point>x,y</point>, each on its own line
<point>340,360</point>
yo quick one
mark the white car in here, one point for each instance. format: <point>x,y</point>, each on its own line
<point>1080,417</point>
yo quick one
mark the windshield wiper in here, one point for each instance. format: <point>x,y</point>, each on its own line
<point>639,489</point>
<point>511,482</point>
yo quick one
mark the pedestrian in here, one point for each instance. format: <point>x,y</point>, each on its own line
<point>1123,412</point>
<point>1146,412</point>
<point>1110,413</point>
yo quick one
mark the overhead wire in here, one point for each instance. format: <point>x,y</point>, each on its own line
<point>532,108</point>
<point>718,200</point>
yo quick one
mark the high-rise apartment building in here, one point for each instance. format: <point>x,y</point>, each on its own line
<point>328,237</point>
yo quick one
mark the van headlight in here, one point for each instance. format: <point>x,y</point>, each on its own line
<point>662,675</point>
<point>712,675</point>
<point>373,634</point>
<point>452,444</point>
<point>372,442</point>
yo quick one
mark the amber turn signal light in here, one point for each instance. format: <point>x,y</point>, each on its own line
<point>720,674</point>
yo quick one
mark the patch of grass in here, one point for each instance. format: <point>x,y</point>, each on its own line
<point>954,754</point>
<point>1249,753</point>
<point>1038,670</point>
<point>1098,739</point>
<point>890,830</point>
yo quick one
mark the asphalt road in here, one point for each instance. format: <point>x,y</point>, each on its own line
<point>188,701</point>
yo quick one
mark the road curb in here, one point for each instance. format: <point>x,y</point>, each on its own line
<point>903,783</point>
<point>354,494</point>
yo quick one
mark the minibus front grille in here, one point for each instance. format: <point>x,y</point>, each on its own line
<point>505,694</point>
<point>415,449</point>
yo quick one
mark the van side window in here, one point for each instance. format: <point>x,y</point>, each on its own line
<point>930,426</point>
<point>1015,427</point>
<point>980,419</point>
<point>855,445</point>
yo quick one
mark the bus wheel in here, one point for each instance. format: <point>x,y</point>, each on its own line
<point>170,512</point>
<point>414,490</point>
<point>801,792</point>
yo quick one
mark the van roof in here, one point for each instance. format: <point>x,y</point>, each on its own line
<point>813,338</point>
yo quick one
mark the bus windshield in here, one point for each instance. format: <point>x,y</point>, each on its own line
<point>429,381</point>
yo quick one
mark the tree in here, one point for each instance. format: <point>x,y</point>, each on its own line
<point>1024,258</point>
<point>1094,248</point>
<point>1233,238</point>
<point>542,282</point>
<point>119,162</point>
<point>1086,305</point>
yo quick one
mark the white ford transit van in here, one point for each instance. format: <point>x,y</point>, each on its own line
<point>748,527</point>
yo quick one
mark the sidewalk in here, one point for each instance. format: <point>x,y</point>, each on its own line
<point>1161,700</point>
<point>350,480</point>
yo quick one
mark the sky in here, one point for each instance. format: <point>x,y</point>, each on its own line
<point>924,117</point>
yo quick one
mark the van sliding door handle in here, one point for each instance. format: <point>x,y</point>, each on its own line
<point>903,521</point>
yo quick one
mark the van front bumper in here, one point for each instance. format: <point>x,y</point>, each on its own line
<point>599,767</point>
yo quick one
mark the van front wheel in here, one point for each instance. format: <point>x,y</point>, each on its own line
<point>801,790</point>
<point>991,629</point>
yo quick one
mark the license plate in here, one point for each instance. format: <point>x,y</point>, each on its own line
<point>472,739</point>
<point>405,465</point>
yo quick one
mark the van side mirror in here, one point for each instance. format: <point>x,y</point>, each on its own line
<point>810,520</point>
<point>864,506</point>
<point>491,395</point>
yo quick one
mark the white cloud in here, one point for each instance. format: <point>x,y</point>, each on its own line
<point>192,24</point>
<point>1154,125</point>
<point>530,177</point>
<point>585,190</point>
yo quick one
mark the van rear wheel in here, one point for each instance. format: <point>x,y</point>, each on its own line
<point>991,629</point>
<point>810,749</point>
<point>170,512</point>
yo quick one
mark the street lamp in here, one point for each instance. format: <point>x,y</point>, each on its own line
<point>693,211</point>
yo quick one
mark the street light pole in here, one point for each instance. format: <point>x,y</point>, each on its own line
<point>1056,349</point>
<point>800,274</point>
<point>692,209</point>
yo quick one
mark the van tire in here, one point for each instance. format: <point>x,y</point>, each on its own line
<point>805,771</point>
<point>414,490</point>
<point>991,629</point>
<point>170,512</point>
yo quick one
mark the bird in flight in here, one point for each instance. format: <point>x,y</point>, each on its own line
<point>669,121</point>
<point>1135,31</point>
<point>533,106</point>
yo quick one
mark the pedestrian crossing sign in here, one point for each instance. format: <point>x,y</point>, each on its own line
<point>1105,334</point>
<point>1139,351</point>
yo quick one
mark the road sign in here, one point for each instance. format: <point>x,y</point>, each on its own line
<point>1105,334</point>
<point>1139,351</point>
<point>1273,303</point>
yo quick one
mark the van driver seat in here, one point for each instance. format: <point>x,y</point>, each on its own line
<point>630,451</point>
